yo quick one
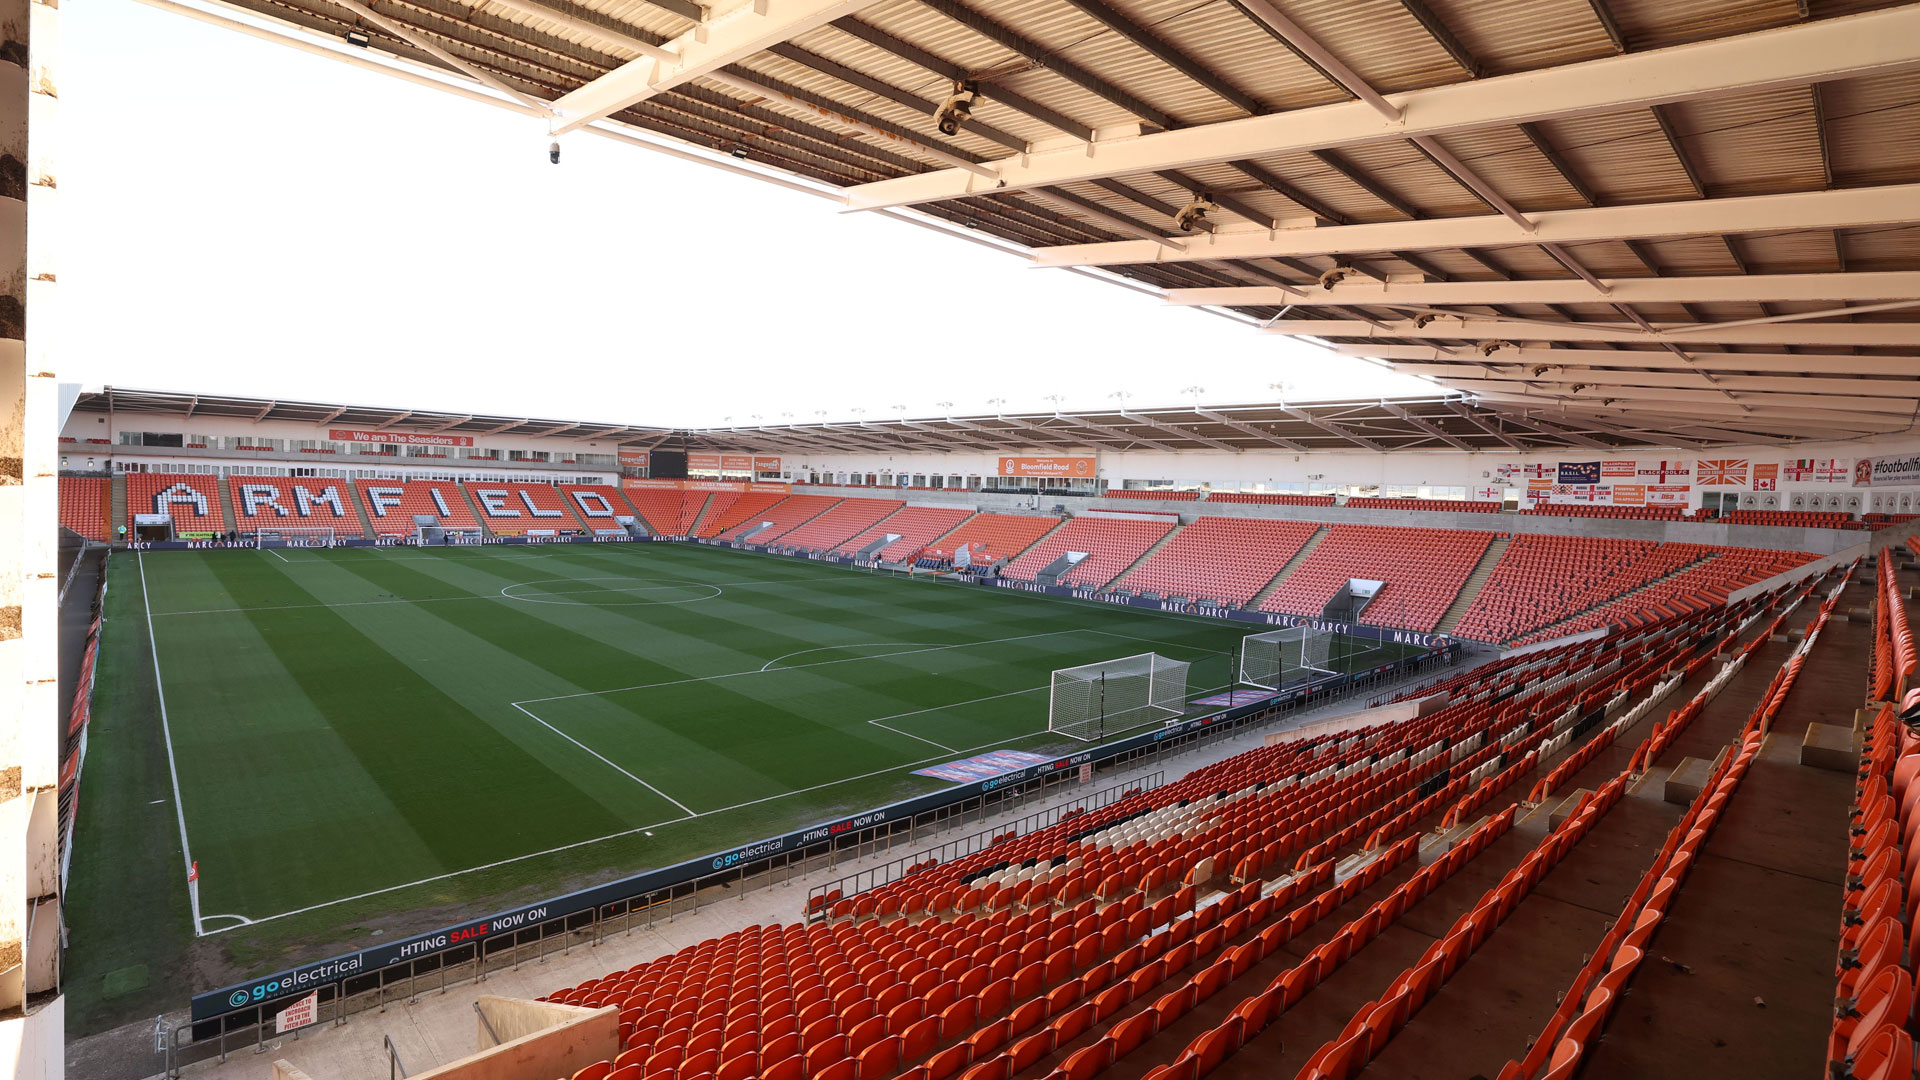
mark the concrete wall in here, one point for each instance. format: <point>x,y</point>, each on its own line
<point>551,1040</point>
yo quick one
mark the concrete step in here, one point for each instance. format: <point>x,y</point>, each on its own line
<point>1145,555</point>
<point>1482,571</point>
<point>1293,564</point>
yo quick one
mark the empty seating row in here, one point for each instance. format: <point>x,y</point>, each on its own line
<point>83,505</point>
<point>913,527</point>
<point>281,502</point>
<point>393,505</point>
<point>1109,547</point>
<point>1163,494</point>
<point>727,509</point>
<point>1808,519</point>
<point>1264,498</point>
<point>518,509</point>
<point>1224,560</point>
<point>769,525</point>
<point>1422,571</point>
<point>997,536</point>
<point>598,506</point>
<point>191,499</point>
<point>1543,579</point>
<point>841,523</point>
<point>667,512</point>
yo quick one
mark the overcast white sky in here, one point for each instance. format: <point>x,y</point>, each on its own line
<point>242,218</point>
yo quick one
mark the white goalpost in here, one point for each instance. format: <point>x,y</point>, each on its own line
<point>1093,700</point>
<point>1275,658</point>
<point>317,536</point>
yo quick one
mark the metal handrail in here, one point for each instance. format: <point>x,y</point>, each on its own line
<point>393,1057</point>
<point>486,1023</point>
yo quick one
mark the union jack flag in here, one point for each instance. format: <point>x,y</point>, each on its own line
<point>1831,471</point>
<point>1801,469</point>
<point>1723,471</point>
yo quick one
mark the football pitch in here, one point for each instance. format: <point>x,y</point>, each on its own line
<point>342,734</point>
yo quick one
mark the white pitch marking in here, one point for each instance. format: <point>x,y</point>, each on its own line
<point>276,554</point>
<point>166,732</point>
<point>427,600</point>
<point>858,645</point>
<point>689,810</point>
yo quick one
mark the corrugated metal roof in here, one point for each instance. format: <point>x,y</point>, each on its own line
<point>1055,71</point>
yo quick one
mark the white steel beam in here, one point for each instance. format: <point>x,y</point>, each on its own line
<point>1885,335</point>
<point>727,37</point>
<point>1249,429</point>
<point>1334,429</point>
<point>1897,285</point>
<point>1887,407</point>
<point>1606,381</point>
<point>1465,412</point>
<point>1894,204</point>
<point>1824,363</point>
<point>1430,428</point>
<point>1179,432</point>
<point>1856,45</point>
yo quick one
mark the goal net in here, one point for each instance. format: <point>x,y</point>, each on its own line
<point>1278,657</point>
<point>306,537</point>
<point>1094,700</point>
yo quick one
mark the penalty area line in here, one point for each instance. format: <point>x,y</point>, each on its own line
<point>688,810</point>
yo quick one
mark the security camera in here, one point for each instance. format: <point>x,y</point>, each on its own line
<point>1578,387</point>
<point>553,151</point>
<point>958,108</point>
<point>739,152</point>
<point>1334,275</point>
<point>1488,348</point>
<point>1420,321</point>
<point>1195,212</point>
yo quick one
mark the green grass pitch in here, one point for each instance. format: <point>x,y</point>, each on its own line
<point>362,732</point>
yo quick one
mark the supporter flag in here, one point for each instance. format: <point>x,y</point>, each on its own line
<point>1723,472</point>
<point>1579,472</point>
<point>1539,472</point>
<point>1661,470</point>
<point>1831,471</point>
<point>1487,494</point>
<point>1766,477</point>
<point>1801,469</point>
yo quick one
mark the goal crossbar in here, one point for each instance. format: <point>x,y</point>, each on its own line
<point>1091,701</point>
<point>1272,659</point>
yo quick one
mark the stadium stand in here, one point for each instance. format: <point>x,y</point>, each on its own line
<point>1621,513</point>
<point>393,504</point>
<point>1706,576</point>
<point>1225,560</point>
<point>83,505</point>
<point>192,499</point>
<point>270,502</point>
<point>1163,494</point>
<point>840,523</point>
<point>917,526</point>
<point>731,508</point>
<point>786,515</point>
<point>1458,506</point>
<point>998,536</point>
<point>1110,544</point>
<point>599,505</point>
<point>1151,937</point>
<point>1261,498</point>
<point>667,512</point>
<point>515,509</point>
<point>1423,570</point>
<point>1543,579</point>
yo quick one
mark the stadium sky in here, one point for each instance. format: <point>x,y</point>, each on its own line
<point>241,218</point>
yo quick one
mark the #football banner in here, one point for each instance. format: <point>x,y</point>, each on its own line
<point>1887,471</point>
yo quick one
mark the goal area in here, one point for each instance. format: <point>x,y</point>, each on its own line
<point>1273,659</point>
<point>1092,701</point>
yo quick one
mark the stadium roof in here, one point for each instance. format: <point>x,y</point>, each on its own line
<point>1690,217</point>
<point>1451,422</point>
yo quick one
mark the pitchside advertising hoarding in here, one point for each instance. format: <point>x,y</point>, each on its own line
<point>635,459</point>
<point>399,438</point>
<point>331,974</point>
<point>1071,468</point>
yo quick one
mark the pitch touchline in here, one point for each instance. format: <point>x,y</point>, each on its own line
<point>166,732</point>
